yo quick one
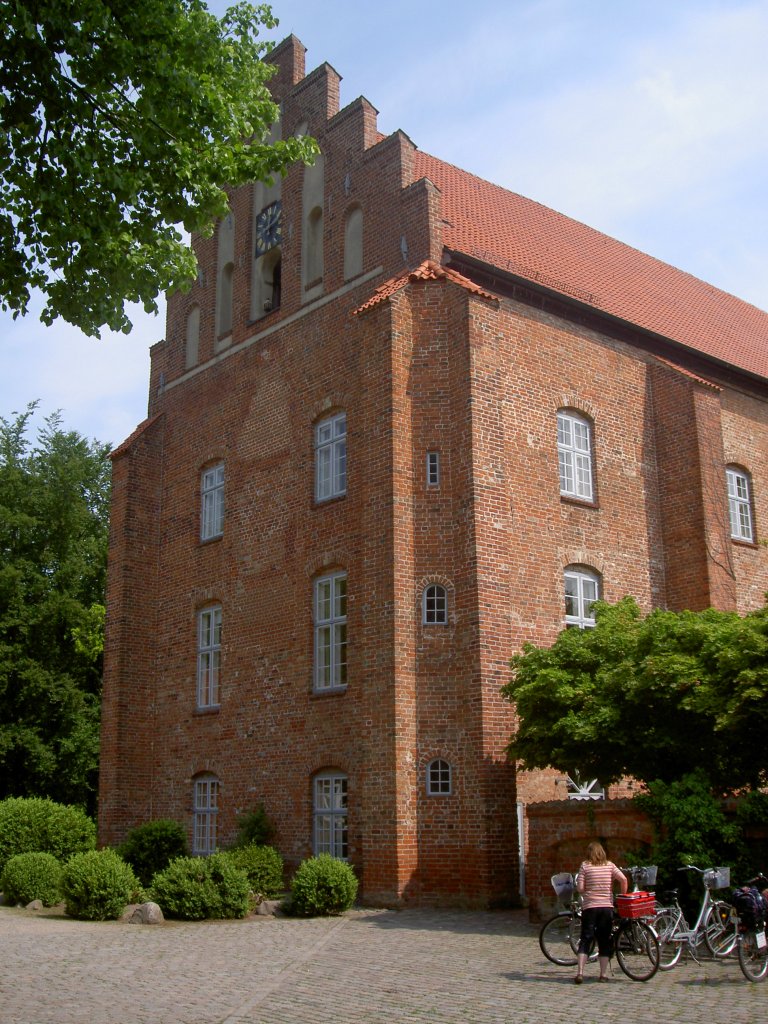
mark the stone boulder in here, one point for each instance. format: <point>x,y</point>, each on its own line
<point>143,913</point>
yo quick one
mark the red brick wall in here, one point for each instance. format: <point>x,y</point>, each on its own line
<point>433,367</point>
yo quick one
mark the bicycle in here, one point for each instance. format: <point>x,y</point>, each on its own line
<point>751,939</point>
<point>633,940</point>
<point>714,928</point>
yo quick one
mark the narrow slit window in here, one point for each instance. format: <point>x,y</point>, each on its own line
<point>433,469</point>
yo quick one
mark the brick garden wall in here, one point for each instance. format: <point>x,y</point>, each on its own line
<point>559,831</point>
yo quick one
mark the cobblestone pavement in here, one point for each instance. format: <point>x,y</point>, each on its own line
<point>368,966</point>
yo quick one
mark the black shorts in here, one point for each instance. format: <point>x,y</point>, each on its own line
<point>596,923</point>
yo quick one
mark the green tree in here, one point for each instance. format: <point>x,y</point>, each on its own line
<point>654,698</point>
<point>119,121</point>
<point>54,500</point>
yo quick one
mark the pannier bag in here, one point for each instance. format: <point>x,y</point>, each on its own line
<point>750,906</point>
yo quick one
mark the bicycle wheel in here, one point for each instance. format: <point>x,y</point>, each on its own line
<point>666,924</point>
<point>559,939</point>
<point>719,929</point>
<point>753,960</point>
<point>637,950</point>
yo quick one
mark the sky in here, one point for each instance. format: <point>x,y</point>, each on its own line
<point>646,119</point>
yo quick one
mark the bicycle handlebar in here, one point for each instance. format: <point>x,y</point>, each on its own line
<point>692,867</point>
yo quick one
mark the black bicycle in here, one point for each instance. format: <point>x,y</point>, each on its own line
<point>751,937</point>
<point>633,941</point>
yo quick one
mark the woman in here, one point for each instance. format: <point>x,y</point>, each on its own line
<point>595,883</point>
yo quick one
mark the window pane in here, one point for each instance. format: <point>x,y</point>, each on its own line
<point>340,468</point>
<point>340,596</point>
<point>566,472</point>
<point>323,600</point>
<point>340,654</point>
<point>323,657</point>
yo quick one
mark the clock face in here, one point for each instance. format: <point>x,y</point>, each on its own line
<point>268,229</point>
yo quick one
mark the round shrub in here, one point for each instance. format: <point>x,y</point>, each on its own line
<point>263,867</point>
<point>37,825</point>
<point>194,888</point>
<point>151,847</point>
<point>32,876</point>
<point>98,885</point>
<point>323,885</point>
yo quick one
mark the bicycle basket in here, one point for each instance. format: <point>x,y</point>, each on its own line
<point>563,885</point>
<point>647,875</point>
<point>717,878</point>
<point>636,904</point>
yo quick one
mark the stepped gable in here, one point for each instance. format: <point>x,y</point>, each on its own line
<point>502,229</point>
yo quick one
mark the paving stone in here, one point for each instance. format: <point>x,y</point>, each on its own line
<point>367,967</point>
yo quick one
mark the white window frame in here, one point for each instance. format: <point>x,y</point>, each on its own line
<point>208,656</point>
<point>574,452</point>
<point>433,469</point>
<point>330,632</point>
<point>205,816</point>
<point>331,457</point>
<point>212,502</point>
<point>330,832</point>
<point>740,504</point>
<point>439,778</point>
<point>434,605</point>
<point>581,589</point>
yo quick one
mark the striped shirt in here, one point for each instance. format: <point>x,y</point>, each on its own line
<point>595,883</point>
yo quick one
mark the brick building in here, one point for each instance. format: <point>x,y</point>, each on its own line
<point>405,421</point>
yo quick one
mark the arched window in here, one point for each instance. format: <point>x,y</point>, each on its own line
<point>582,589</point>
<point>740,504</point>
<point>439,778</point>
<point>330,815</point>
<point>434,605</point>
<point>193,337</point>
<point>574,449</point>
<point>353,243</point>
<point>206,811</point>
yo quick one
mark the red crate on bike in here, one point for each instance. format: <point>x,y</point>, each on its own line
<point>636,904</point>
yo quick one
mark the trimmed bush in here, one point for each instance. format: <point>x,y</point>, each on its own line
<point>37,825</point>
<point>32,876</point>
<point>323,885</point>
<point>151,847</point>
<point>263,867</point>
<point>98,885</point>
<point>194,888</point>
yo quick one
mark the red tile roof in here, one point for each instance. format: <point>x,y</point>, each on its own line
<point>531,241</point>
<point>426,271</point>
